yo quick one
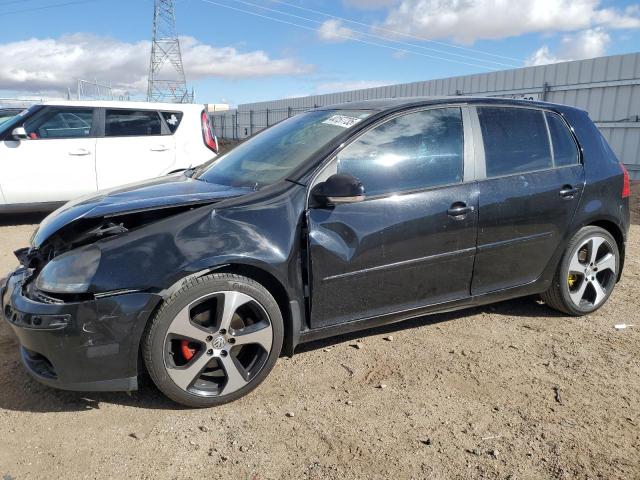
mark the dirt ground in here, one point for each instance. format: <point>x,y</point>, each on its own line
<point>635,202</point>
<point>513,390</point>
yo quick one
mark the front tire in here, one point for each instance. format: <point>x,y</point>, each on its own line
<point>587,273</point>
<point>214,340</point>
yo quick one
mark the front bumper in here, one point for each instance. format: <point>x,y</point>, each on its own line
<point>83,346</point>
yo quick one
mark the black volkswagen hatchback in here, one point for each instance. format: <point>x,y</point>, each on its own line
<point>335,220</point>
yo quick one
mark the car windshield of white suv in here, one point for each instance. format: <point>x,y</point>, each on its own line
<point>271,155</point>
<point>16,120</point>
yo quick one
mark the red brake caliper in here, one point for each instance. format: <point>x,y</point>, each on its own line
<point>187,351</point>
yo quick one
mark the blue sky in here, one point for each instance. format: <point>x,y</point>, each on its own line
<point>241,57</point>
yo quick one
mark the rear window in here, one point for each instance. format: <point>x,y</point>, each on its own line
<point>132,123</point>
<point>172,120</point>
<point>515,140</point>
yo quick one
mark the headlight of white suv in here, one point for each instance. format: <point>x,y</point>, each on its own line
<point>71,272</point>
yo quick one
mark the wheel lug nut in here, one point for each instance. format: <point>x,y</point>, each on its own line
<point>209,338</point>
<point>209,352</point>
<point>232,340</point>
<point>223,353</point>
<point>222,331</point>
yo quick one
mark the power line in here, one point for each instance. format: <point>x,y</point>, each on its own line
<point>395,32</point>
<point>359,40</point>
<point>379,37</point>
<point>33,9</point>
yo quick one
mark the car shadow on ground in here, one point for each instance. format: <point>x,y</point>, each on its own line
<point>12,219</point>
<point>21,393</point>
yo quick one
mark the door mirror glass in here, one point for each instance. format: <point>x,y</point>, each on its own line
<point>339,188</point>
<point>19,133</point>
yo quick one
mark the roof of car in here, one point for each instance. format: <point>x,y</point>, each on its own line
<point>124,104</point>
<point>392,103</point>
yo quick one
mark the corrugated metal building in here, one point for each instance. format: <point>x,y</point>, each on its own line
<point>607,87</point>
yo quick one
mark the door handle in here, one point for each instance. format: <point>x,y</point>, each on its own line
<point>159,148</point>
<point>80,152</point>
<point>568,191</point>
<point>459,210</point>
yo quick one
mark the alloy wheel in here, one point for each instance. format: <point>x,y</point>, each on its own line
<point>218,343</point>
<point>592,272</point>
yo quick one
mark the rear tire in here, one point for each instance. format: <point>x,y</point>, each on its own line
<point>587,273</point>
<point>214,340</point>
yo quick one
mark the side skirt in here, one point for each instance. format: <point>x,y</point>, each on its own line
<point>532,288</point>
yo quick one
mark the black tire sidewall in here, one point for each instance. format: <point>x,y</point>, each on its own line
<point>574,244</point>
<point>154,341</point>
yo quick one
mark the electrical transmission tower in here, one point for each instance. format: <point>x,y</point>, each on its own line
<point>167,81</point>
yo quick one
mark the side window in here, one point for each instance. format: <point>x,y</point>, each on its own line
<point>173,120</point>
<point>61,123</point>
<point>413,151</point>
<point>515,140</point>
<point>565,151</point>
<point>132,123</point>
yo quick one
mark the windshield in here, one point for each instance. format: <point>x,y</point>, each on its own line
<point>5,115</point>
<point>271,155</point>
<point>15,121</point>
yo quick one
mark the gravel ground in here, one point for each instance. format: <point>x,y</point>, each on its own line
<point>513,390</point>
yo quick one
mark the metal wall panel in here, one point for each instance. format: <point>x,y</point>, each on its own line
<point>607,87</point>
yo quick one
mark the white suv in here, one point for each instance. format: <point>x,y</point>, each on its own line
<point>56,151</point>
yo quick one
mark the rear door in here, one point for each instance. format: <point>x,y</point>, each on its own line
<point>56,163</point>
<point>532,183</point>
<point>137,145</point>
<point>404,246</point>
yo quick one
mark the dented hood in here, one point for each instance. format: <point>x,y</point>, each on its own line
<point>164,192</point>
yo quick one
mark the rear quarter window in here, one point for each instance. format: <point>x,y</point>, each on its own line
<point>172,119</point>
<point>565,150</point>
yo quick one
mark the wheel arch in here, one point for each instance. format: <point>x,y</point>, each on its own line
<point>289,307</point>
<point>616,232</point>
<point>275,287</point>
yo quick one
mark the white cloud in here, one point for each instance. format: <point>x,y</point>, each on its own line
<point>54,64</point>
<point>335,31</point>
<point>587,44</point>
<point>469,20</point>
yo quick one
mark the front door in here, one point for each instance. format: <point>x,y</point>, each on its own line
<point>56,163</point>
<point>136,146</point>
<point>533,183</point>
<point>411,242</point>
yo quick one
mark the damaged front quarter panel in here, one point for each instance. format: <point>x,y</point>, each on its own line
<point>116,212</point>
<point>236,231</point>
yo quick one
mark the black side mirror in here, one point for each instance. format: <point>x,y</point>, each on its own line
<point>337,189</point>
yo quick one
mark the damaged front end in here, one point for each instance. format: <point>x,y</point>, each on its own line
<point>97,270</point>
<point>62,267</point>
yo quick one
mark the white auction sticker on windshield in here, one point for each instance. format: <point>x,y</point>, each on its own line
<point>342,121</point>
